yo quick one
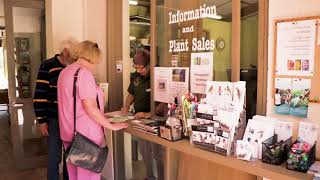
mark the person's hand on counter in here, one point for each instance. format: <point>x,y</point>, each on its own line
<point>125,110</point>
<point>140,115</point>
<point>118,126</point>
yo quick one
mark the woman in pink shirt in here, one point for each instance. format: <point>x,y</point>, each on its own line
<point>90,119</point>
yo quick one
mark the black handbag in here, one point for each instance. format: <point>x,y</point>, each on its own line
<point>82,151</point>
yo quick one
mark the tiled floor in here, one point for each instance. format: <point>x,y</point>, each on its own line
<point>7,169</point>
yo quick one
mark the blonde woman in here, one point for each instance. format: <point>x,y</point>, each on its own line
<point>89,118</point>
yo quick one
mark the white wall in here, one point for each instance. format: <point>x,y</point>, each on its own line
<point>283,9</point>
<point>81,19</point>
<point>95,29</point>
<point>26,20</point>
<point>63,19</point>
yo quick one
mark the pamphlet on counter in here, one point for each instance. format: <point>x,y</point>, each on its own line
<point>116,116</point>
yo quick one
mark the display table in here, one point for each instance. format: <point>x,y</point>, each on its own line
<point>176,150</point>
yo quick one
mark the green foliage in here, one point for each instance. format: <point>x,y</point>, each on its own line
<point>296,93</point>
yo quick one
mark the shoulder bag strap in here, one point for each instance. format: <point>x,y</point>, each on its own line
<point>75,100</point>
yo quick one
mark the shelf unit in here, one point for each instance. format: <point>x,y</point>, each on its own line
<point>140,18</point>
<point>140,29</point>
<point>140,23</point>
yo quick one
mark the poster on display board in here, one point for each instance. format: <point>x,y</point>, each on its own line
<point>292,96</point>
<point>296,48</point>
<point>300,97</point>
<point>201,71</point>
<point>282,96</point>
<point>170,82</point>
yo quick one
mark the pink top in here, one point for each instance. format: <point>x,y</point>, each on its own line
<point>86,89</point>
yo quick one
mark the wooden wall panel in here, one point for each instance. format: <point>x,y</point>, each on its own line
<point>262,58</point>
<point>114,54</point>
<point>236,35</point>
<point>191,168</point>
<point>315,86</point>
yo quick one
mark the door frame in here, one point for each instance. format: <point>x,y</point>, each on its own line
<point>262,81</point>
<point>21,162</point>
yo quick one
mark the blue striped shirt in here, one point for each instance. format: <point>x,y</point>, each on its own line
<point>45,96</point>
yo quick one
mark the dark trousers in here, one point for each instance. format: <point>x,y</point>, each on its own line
<point>55,151</point>
<point>151,151</point>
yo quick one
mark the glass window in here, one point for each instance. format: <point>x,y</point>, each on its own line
<point>197,26</point>
<point>249,52</point>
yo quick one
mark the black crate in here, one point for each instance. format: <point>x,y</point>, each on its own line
<point>274,152</point>
<point>301,161</point>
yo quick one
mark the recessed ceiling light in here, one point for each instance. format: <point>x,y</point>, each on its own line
<point>131,2</point>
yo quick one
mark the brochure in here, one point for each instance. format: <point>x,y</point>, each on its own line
<point>116,116</point>
<point>282,96</point>
<point>300,97</point>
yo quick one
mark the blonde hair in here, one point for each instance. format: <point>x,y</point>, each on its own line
<point>88,51</point>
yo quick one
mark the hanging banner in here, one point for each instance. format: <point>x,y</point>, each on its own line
<point>201,71</point>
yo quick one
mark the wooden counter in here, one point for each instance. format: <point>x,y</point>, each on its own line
<point>256,168</point>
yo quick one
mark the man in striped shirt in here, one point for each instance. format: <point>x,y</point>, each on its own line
<point>46,106</point>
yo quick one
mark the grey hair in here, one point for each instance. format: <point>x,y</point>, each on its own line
<point>68,44</point>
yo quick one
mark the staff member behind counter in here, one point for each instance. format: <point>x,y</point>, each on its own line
<point>139,94</point>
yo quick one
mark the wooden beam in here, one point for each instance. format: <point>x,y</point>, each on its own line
<point>114,54</point>
<point>171,165</point>
<point>10,46</point>
<point>118,155</point>
<point>262,58</point>
<point>236,35</point>
<point>114,51</point>
<point>153,55</point>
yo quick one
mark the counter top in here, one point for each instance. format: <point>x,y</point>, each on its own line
<point>257,168</point>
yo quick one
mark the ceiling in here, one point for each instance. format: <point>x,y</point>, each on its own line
<point>224,8</point>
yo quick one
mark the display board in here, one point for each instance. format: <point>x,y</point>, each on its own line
<point>296,60</point>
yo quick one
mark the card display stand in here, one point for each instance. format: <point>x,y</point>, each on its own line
<point>210,137</point>
<point>274,152</point>
<point>214,137</point>
<point>301,161</point>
